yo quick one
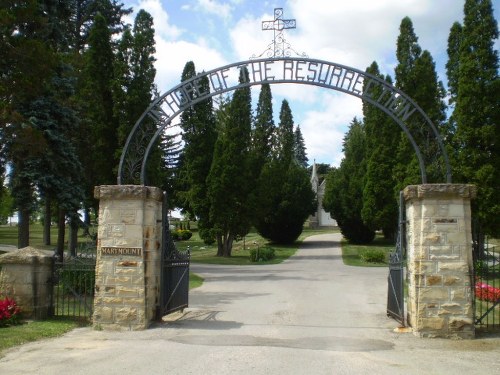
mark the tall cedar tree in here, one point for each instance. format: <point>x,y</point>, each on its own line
<point>477,111</point>
<point>229,177</point>
<point>299,147</point>
<point>380,210</point>
<point>263,131</point>
<point>134,73</point>
<point>344,187</point>
<point>452,72</point>
<point>100,122</point>
<point>134,89</point>
<point>407,52</point>
<point>416,77</point>
<point>199,136</point>
<point>284,195</point>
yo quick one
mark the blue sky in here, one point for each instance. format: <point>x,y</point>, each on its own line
<point>213,33</point>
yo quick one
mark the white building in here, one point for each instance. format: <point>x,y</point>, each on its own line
<point>321,218</point>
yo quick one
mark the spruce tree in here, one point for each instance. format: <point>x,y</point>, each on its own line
<point>477,111</point>
<point>285,136</point>
<point>299,146</point>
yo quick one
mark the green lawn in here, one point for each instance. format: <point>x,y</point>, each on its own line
<point>351,254</point>
<point>34,330</point>
<point>8,236</point>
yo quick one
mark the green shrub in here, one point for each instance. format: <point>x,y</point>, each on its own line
<point>181,234</point>
<point>262,254</point>
<point>373,256</point>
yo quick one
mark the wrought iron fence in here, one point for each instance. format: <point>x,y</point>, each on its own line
<point>73,283</point>
<point>486,284</point>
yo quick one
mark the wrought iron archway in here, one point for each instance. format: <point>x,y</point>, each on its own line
<point>418,128</point>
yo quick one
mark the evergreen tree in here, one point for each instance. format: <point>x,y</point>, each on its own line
<point>285,136</point>
<point>263,132</point>
<point>453,64</point>
<point>199,135</point>
<point>133,91</point>
<point>100,148</point>
<point>38,143</point>
<point>344,187</point>
<point>477,111</point>
<point>380,210</point>
<point>229,177</point>
<point>300,153</point>
<point>416,77</point>
<point>408,51</point>
<point>285,198</point>
<point>82,17</point>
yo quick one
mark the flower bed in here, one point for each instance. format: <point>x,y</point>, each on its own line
<point>487,292</point>
<point>10,313</point>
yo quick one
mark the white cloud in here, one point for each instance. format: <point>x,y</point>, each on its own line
<point>160,17</point>
<point>173,56</point>
<point>358,32</point>
<point>222,10</point>
<point>324,127</point>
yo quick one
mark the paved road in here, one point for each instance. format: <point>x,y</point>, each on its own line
<point>308,315</point>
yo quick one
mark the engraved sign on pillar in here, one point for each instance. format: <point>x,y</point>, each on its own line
<point>117,230</point>
<point>130,251</point>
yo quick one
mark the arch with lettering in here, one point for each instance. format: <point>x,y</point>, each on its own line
<point>418,128</point>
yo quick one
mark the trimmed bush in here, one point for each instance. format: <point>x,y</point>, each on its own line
<point>262,254</point>
<point>181,234</point>
<point>373,256</point>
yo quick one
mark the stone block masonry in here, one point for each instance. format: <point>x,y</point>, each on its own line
<point>440,265</point>
<point>24,276</point>
<point>128,256</point>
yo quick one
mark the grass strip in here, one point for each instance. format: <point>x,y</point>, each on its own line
<point>34,330</point>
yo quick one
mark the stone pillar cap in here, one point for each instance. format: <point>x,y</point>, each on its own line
<point>26,255</point>
<point>440,191</point>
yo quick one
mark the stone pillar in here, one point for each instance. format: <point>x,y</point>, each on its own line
<point>439,244</point>
<point>25,277</point>
<point>128,256</point>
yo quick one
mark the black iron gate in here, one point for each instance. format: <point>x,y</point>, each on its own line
<point>486,292</point>
<point>174,288</point>
<point>395,295</point>
<point>73,283</point>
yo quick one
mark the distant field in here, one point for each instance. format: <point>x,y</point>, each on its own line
<point>8,236</point>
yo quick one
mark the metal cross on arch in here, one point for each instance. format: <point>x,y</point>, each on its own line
<point>278,25</point>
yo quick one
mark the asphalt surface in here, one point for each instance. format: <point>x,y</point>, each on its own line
<point>308,315</point>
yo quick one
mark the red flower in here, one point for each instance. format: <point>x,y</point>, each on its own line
<point>487,292</point>
<point>9,312</point>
